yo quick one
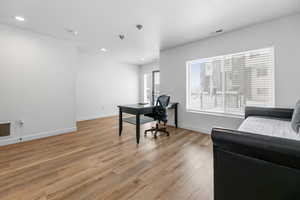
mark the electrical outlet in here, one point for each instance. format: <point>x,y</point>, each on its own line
<point>21,123</point>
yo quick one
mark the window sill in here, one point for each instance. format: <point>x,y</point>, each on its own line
<point>237,116</point>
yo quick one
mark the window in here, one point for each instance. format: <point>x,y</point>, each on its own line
<point>262,91</point>
<point>262,72</point>
<point>151,86</point>
<point>226,84</point>
<point>147,88</point>
<point>155,85</point>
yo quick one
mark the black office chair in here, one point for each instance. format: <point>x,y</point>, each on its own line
<point>160,115</point>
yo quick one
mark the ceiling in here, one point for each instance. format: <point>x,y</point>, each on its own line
<point>167,23</point>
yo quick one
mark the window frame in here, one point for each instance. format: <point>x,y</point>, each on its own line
<point>226,114</point>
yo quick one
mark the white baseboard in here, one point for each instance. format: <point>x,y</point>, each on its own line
<point>95,117</point>
<point>48,134</point>
<point>197,129</point>
<point>9,141</point>
<point>37,136</point>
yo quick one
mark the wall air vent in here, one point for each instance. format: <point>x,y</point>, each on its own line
<point>4,129</point>
<point>219,31</point>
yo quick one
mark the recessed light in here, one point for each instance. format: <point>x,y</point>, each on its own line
<point>103,49</point>
<point>142,59</point>
<point>19,18</point>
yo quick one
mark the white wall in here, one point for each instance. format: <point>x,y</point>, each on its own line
<point>49,84</point>
<point>146,69</point>
<point>283,34</point>
<point>37,84</point>
<point>102,84</point>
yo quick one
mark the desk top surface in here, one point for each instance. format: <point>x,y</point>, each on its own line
<point>143,105</point>
<point>137,106</point>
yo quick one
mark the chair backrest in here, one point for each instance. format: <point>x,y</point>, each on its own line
<point>163,101</point>
<point>160,110</point>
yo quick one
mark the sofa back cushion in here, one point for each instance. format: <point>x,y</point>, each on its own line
<point>296,118</point>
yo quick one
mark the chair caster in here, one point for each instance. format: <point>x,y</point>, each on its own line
<point>146,131</point>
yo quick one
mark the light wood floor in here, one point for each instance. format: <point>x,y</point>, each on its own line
<point>95,163</point>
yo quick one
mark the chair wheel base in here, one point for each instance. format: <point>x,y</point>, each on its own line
<point>156,130</point>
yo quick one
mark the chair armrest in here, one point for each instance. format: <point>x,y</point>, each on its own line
<point>271,149</point>
<point>286,113</point>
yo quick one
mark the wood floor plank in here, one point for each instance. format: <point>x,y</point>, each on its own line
<point>95,163</point>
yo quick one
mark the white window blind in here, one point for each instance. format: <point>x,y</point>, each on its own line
<point>226,84</point>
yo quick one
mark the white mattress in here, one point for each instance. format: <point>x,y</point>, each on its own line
<point>269,126</point>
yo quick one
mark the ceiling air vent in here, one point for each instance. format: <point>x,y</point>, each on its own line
<point>219,31</point>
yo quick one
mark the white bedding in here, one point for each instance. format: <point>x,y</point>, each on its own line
<point>269,126</point>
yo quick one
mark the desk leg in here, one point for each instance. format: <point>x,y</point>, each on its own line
<point>138,128</point>
<point>176,116</point>
<point>120,122</point>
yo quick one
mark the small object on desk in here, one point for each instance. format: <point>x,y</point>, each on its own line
<point>143,103</point>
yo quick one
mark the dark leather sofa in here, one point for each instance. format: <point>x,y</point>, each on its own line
<point>250,166</point>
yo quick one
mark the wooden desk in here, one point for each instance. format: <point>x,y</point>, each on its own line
<point>138,110</point>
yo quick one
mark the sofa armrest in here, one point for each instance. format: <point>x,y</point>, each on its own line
<point>285,113</point>
<point>250,166</point>
<point>271,149</point>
